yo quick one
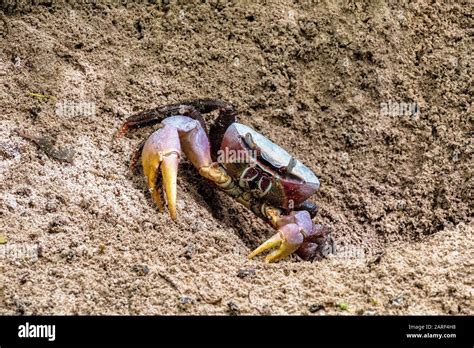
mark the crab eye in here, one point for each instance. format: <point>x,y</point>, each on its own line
<point>264,185</point>
<point>291,165</point>
<point>249,140</point>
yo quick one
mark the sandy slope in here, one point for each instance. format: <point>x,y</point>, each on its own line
<point>396,189</point>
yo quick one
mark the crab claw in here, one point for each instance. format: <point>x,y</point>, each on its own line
<point>162,152</point>
<point>160,158</point>
<point>287,240</point>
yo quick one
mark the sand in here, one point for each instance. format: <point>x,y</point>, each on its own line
<point>85,237</point>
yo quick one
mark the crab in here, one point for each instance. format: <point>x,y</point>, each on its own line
<point>241,162</point>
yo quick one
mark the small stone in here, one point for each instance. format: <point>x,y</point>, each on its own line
<point>51,206</point>
<point>315,308</point>
<point>455,157</point>
<point>3,239</point>
<point>101,249</point>
<point>291,110</point>
<point>243,273</point>
<point>11,203</point>
<point>39,250</point>
<point>398,301</point>
<point>24,278</point>
<point>454,61</point>
<point>185,302</point>
<point>83,250</point>
<point>16,61</point>
<point>57,226</point>
<point>35,111</point>
<point>236,62</point>
<point>189,252</point>
<point>8,151</point>
<point>141,270</point>
<point>233,308</point>
<point>23,191</point>
<point>401,205</point>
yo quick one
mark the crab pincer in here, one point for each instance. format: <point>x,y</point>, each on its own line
<point>287,240</point>
<point>162,152</point>
<point>292,231</point>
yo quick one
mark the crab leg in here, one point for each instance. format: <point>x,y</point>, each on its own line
<point>314,245</point>
<point>191,109</point>
<point>296,232</point>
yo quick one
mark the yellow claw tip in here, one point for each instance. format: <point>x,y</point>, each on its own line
<point>169,171</point>
<point>173,215</point>
<point>273,242</point>
<point>273,257</point>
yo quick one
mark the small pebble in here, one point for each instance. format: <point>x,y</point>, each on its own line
<point>189,252</point>
<point>68,254</point>
<point>23,191</point>
<point>243,273</point>
<point>57,225</point>
<point>233,308</point>
<point>101,249</point>
<point>398,301</point>
<point>35,111</point>
<point>455,157</point>
<point>16,61</point>
<point>185,302</point>
<point>39,250</point>
<point>51,207</point>
<point>11,203</point>
<point>315,308</point>
<point>8,151</point>
<point>401,205</point>
<point>24,278</point>
<point>141,270</point>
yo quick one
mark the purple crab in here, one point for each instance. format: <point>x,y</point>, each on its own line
<point>241,162</point>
